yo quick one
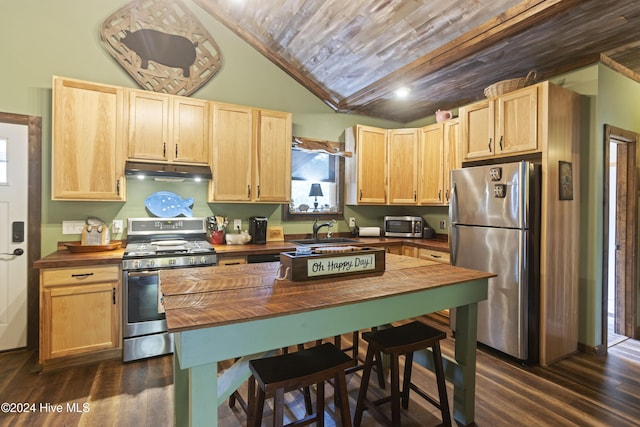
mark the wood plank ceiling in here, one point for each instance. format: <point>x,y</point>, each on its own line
<point>354,54</point>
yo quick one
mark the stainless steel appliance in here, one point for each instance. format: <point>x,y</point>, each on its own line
<point>258,230</point>
<point>494,216</point>
<point>403,226</point>
<point>154,244</point>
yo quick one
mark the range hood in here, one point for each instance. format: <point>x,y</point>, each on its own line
<point>166,171</point>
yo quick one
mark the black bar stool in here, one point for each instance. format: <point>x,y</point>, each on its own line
<point>279,374</point>
<point>397,341</point>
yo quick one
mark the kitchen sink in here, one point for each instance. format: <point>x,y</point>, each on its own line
<point>329,241</point>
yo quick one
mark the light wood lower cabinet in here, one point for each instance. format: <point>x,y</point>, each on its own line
<point>80,312</point>
<point>432,255</point>
<point>232,260</point>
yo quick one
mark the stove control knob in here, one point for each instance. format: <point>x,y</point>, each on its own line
<point>151,263</point>
<point>137,264</point>
<point>192,261</point>
<point>203,260</point>
<point>172,261</point>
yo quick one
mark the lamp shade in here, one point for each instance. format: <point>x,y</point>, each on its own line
<point>316,191</point>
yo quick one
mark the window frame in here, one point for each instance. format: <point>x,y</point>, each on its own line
<point>287,215</point>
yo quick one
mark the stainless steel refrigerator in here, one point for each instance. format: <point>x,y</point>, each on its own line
<point>495,220</point>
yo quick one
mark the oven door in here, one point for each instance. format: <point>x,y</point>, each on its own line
<point>143,314</point>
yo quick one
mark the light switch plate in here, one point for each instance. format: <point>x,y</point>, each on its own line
<point>117,226</point>
<point>352,222</point>
<point>237,224</point>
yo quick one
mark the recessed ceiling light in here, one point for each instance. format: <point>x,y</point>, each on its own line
<point>402,92</point>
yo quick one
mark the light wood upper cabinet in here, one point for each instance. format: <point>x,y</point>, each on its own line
<point>87,141</point>
<point>502,126</point>
<point>366,171</point>
<point>80,311</point>
<point>431,187</point>
<point>251,155</point>
<point>438,155</point>
<point>232,153</point>
<point>402,154</point>
<point>272,174</point>
<point>451,153</point>
<point>191,130</point>
<point>168,128</point>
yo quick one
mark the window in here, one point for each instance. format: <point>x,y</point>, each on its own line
<point>3,161</point>
<point>322,172</point>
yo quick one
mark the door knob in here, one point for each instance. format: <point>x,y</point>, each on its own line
<point>16,252</point>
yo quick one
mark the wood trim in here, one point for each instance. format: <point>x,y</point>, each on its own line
<point>619,68</point>
<point>627,297</point>
<point>34,123</point>
<point>272,56</point>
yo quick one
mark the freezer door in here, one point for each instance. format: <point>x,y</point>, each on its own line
<point>503,317</point>
<point>492,195</point>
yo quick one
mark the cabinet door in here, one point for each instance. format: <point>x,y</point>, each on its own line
<point>191,133</point>
<point>79,319</point>
<point>371,165</point>
<point>232,153</point>
<point>402,152</point>
<point>432,165</point>
<point>273,153</point>
<point>87,141</point>
<point>477,122</point>
<point>517,121</point>
<point>451,154</point>
<point>148,126</point>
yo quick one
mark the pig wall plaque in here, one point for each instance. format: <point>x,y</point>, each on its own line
<point>162,45</point>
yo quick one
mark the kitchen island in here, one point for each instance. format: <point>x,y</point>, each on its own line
<point>241,311</point>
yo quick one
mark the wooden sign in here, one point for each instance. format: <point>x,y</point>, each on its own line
<point>320,265</point>
<point>162,45</point>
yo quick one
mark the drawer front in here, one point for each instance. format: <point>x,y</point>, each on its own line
<point>432,255</point>
<point>80,275</point>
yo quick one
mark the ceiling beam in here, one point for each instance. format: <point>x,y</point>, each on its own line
<point>503,26</point>
<point>211,8</point>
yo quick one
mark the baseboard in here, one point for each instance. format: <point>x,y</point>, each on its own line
<point>598,350</point>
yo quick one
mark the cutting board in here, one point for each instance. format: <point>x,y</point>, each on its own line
<point>275,234</point>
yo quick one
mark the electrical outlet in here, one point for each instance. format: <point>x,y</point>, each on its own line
<point>117,226</point>
<point>352,222</point>
<point>237,224</point>
<point>443,224</point>
<point>72,227</point>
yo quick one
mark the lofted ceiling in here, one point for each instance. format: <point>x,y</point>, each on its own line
<point>354,54</point>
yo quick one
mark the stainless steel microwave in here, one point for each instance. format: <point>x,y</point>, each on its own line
<point>403,226</point>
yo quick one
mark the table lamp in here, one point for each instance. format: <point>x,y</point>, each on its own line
<point>316,191</point>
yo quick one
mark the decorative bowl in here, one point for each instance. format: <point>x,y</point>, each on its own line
<point>237,239</point>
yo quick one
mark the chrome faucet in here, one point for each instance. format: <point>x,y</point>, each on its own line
<point>317,227</point>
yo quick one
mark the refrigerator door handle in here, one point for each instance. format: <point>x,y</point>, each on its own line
<point>453,205</point>
<point>453,245</point>
<point>453,220</point>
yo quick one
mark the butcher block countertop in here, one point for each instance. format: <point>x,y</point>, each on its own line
<point>65,258</point>
<point>203,297</point>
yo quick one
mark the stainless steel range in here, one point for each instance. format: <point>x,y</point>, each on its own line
<point>154,244</point>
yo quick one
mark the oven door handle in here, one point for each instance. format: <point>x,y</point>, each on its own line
<point>145,273</point>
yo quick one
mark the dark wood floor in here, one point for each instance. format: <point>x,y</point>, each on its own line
<point>580,390</point>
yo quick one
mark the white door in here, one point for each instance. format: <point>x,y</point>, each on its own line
<point>13,228</point>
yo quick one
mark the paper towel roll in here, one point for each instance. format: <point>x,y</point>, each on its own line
<point>369,231</point>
